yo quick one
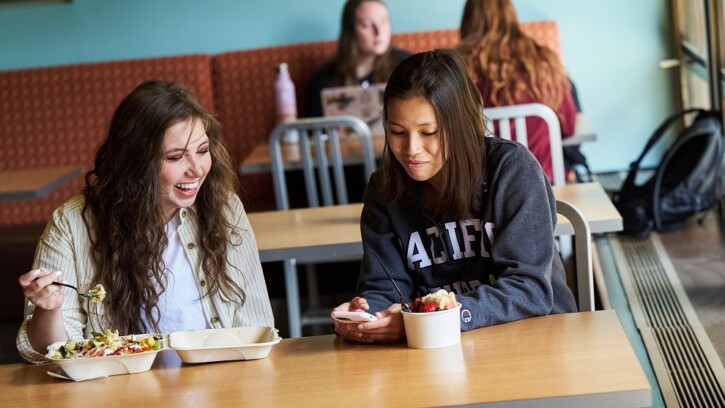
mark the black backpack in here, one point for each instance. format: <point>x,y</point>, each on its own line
<point>689,179</point>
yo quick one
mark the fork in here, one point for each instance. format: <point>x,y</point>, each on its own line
<point>83,295</point>
<point>404,305</point>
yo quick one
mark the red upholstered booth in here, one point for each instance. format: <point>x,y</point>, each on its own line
<point>58,116</point>
<point>244,94</point>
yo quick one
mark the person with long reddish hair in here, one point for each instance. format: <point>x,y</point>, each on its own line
<point>510,68</point>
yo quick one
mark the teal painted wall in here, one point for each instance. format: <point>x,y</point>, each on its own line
<point>611,47</point>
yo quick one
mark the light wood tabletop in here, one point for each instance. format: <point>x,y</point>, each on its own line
<point>308,233</point>
<point>572,360</point>
<point>34,183</point>
<point>583,132</point>
<point>594,203</point>
<point>258,160</point>
<point>334,231</point>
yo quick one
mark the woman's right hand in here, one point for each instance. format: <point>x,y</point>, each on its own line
<point>37,288</point>
<point>386,329</point>
<point>350,331</point>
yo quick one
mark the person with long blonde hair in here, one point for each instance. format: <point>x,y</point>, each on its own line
<point>510,68</point>
<point>364,52</point>
<point>159,226</point>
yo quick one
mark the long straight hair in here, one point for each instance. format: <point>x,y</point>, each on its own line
<point>123,211</point>
<point>441,77</point>
<point>344,63</point>
<point>513,65</point>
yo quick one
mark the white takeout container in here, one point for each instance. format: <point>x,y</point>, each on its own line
<point>86,368</point>
<point>433,329</point>
<point>234,343</point>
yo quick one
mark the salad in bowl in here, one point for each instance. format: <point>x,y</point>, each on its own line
<point>106,354</point>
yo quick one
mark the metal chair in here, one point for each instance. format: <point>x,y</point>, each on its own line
<point>584,287</point>
<point>320,153</point>
<point>518,113</point>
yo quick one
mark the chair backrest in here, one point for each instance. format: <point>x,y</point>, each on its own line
<point>318,148</point>
<point>584,288</point>
<point>519,113</point>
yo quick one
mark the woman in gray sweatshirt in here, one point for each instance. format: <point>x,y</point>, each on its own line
<point>453,209</point>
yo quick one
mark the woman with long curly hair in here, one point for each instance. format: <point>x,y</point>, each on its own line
<point>364,53</point>
<point>510,68</point>
<point>159,226</point>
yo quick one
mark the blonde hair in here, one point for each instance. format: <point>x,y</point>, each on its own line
<point>344,63</point>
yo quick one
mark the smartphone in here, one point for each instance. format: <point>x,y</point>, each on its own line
<point>353,316</point>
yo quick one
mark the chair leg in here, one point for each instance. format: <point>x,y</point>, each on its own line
<point>566,253</point>
<point>599,283</point>
<point>565,246</point>
<point>293,298</point>
<point>313,294</point>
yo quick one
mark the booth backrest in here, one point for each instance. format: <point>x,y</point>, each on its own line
<point>244,91</point>
<point>58,115</point>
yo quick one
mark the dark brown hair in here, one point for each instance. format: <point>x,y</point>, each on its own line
<point>123,211</point>
<point>344,63</point>
<point>441,77</point>
<point>513,65</point>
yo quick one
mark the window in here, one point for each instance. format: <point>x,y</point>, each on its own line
<point>698,25</point>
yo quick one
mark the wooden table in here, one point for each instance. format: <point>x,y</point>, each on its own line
<point>334,231</point>
<point>34,183</point>
<point>594,203</point>
<point>258,161</point>
<point>583,132</point>
<point>572,360</point>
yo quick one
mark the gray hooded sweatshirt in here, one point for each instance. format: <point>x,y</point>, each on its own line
<point>502,264</point>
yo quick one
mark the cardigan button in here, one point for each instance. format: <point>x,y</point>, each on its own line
<point>202,283</point>
<point>191,246</point>
<point>215,319</point>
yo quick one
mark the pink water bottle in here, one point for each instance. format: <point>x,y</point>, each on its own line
<point>286,100</point>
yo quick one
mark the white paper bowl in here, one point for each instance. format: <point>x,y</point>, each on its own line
<point>85,368</point>
<point>434,329</point>
<point>235,343</point>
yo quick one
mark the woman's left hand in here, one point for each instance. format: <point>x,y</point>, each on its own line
<point>388,328</point>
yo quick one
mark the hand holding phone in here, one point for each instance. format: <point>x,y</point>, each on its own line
<point>350,317</point>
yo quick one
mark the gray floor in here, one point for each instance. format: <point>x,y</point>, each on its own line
<point>698,254</point>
